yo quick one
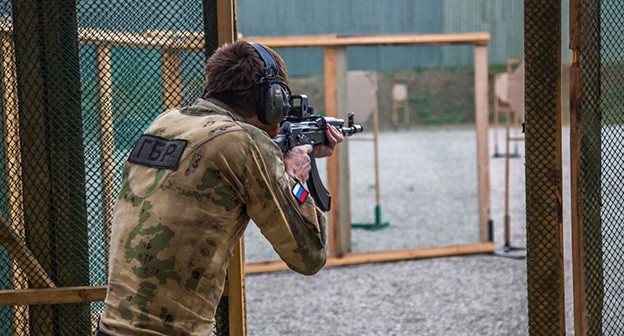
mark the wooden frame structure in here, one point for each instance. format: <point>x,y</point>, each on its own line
<point>335,73</point>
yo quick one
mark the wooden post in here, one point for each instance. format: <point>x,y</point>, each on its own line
<point>13,164</point>
<point>107,140</point>
<point>585,167</point>
<point>481,117</point>
<point>543,168</point>
<point>235,289</point>
<point>171,84</point>
<point>226,21</point>
<point>339,230</point>
<point>51,139</point>
<point>578,277</point>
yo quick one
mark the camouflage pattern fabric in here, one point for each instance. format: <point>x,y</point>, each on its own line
<point>174,229</point>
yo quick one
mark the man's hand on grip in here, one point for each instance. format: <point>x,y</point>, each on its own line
<point>297,162</point>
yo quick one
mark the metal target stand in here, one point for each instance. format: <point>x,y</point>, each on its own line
<point>509,88</point>
<point>378,224</point>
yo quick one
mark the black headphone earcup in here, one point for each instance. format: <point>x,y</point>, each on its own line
<point>273,104</point>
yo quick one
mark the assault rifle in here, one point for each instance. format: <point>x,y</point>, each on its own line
<point>301,126</point>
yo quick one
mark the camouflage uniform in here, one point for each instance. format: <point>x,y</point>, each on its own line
<point>174,229</point>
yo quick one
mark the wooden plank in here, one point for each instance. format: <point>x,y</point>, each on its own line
<point>10,108</point>
<point>575,26</point>
<point>164,39</point>
<point>226,21</point>
<point>385,256</point>
<point>479,38</point>
<point>107,140</point>
<point>481,117</point>
<point>171,78</point>
<point>237,311</point>
<point>22,256</point>
<point>120,38</point>
<point>339,226</point>
<point>341,183</point>
<point>13,164</point>
<point>150,38</point>
<point>49,296</point>
<point>331,110</point>
<point>576,129</point>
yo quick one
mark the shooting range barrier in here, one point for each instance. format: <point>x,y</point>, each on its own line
<point>335,86</point>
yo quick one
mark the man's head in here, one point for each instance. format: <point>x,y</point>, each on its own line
<point>248,78</point>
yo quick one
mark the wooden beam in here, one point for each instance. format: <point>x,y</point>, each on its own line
<point>188,40</point>
<point>235,292</point>
<point>13,165</point>
<point>480,38</point>
<point>49,296</point>
<point>171,78</point>
<point>22,256</point>
<point>385,256</point>
<point>543,168</point>
<point>586,186</point>
<point>237,311</point>
<point>107,138</point>
<point>339,226</point>
<point>226,21</point>
<point>576,129</point>
<point>483,159</point>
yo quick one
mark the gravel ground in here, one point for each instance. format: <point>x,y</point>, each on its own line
<point>429,197</point>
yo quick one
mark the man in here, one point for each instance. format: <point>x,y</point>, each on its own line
<point>189,188</point>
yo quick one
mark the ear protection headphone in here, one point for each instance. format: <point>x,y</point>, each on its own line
<point>274,99</point>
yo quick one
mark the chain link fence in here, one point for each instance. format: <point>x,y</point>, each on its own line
<point>596,165</point>
<point>600,160</point>
<point>81,80</point>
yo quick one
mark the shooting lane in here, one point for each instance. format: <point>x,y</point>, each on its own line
<point>335,80</point>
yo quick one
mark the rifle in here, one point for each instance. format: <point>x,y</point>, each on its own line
<point>301,126</point>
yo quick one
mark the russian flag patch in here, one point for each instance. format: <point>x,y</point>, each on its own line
<point>299,192</point>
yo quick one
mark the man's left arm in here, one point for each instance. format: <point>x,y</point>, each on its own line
<point>282,208</point>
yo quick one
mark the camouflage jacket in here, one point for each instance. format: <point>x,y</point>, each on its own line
<point>190,186</point>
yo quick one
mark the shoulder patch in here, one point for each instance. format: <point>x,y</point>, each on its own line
<point>156,152</point>
<point>299,192</point>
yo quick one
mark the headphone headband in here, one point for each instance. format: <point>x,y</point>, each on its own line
<point>271,70</point>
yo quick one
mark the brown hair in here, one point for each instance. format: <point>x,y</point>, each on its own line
<point>233,73</point>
